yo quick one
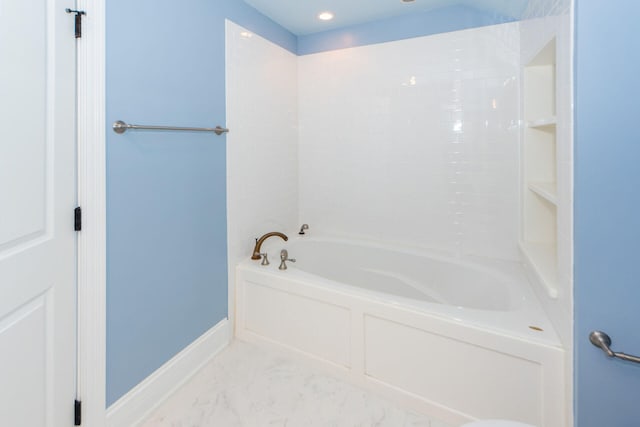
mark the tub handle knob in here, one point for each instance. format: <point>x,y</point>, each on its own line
<point>265,260</point>
<point>284,257</point>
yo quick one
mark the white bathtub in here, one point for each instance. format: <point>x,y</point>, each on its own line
<point>451,338</point>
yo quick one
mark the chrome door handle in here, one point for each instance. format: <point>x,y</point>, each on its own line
<point>603,341</point>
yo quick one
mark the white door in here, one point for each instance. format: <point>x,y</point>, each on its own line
<point>37,198</point>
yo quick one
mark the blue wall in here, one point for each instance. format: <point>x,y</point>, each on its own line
<point>166,192</point>
<point>397,28</point>
<point>607,202</point>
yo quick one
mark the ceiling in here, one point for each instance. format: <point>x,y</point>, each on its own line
<point>300,16</point>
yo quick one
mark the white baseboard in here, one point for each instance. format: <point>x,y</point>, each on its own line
<point>137,404</point>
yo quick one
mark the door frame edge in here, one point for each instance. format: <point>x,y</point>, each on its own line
<point>91,182</point>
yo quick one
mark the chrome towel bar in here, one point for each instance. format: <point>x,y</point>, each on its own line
<point>602,340</point>
<point>121,127</point>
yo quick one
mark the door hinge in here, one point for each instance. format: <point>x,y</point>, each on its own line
<point>77,413</point>
<point>78,14</point>
<point>77,219</point>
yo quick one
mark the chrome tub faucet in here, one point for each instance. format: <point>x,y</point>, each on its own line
<point>304,227</point>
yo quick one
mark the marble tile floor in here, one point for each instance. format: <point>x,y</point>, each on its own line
<point>251,386</point>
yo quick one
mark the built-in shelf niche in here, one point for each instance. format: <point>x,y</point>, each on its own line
<point>540,197</point>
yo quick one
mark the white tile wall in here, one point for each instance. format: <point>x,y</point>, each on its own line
<point>262,147</point>
<point>415,141</point>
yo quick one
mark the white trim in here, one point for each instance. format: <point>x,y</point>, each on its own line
<point>231,262</point>
<point>92,198</point>
<point>137,404</point>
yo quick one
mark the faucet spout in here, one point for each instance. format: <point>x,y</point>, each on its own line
<point>256,249</point>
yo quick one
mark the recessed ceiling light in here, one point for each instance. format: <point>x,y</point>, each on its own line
<point>407,1</point>
<point>325,16</point>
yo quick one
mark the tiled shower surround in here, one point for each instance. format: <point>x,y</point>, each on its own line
<point>415,141</point>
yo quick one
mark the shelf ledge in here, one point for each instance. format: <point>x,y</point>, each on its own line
<point>541,258</point>
<point>546,190</point>
<point>546,123</point>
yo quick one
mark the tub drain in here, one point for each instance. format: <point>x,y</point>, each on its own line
<point>536,328</point>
